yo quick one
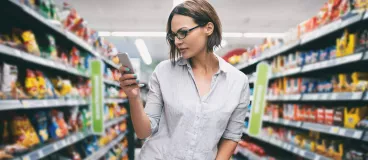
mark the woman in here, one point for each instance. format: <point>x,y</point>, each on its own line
<point>197,102</point>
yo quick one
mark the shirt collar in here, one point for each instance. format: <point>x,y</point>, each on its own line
<point>222,64</point>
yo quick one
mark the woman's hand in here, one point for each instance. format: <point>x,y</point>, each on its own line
<point>129,83</point>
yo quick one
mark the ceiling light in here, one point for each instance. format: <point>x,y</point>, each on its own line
<point>143,51</point>
<point>263,35</point>
<point>104,34</point>
<point>232,34</point>
<point>139,34</point>
<point>223,43</point>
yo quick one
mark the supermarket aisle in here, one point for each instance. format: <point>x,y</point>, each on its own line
<point>60,97</point>
<point>50,106</point>
<point>317,96</point>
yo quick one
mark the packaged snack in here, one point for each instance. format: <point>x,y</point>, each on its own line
<point>30,43</point>
<point>338,116</point>
<point>39,120</point>
<point>329,116</point>
<point>8,79</point>
<point>61,122</point>
<point>23,132</point>
<point>353,116</point>
<point>51,48</point>
<point>73,120</point>
<point>41,85</point>
<point>74,59</point>
<point>31,84</point>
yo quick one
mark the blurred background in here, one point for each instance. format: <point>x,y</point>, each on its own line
<point>60,97</point>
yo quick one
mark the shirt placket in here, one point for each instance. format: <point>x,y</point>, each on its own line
<point>198,113</point>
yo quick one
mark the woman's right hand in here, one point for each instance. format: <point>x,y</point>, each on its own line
<point>129,83</point>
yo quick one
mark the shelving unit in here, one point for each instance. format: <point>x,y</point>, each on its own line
<point>333,130</point>
<point>63,35</point>
<point>102,151</point>
<point>314,35</point>
<point>290,147</point>
<point>310,42</point>
<point>249,154</point>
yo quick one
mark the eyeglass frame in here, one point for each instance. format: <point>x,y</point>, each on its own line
<point>186,34</point>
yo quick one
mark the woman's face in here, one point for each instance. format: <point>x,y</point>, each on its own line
<point>195,41</point>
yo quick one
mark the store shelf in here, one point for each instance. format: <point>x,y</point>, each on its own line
<point>295,97</point>
<point>46,103</point>
<point>67,34</point>
<point>286,73</point>
<point>115,121</point>
<point>54,147</point>
<point>333,62</point>
<point>291,148</point>
<point>15,53</point>
<point>102,151</point>
<point>283,122</point>
<point>343,96</point>
<point>249,154</point>
<point>316,34</point>
<point>113,83</point>
<point>334,130</point>
<point>115,100</point>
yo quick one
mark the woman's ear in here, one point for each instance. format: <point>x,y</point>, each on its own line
<point>209,27</point>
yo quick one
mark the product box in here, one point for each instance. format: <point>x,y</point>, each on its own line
<point>329,116</point>
<point>353,116</point>
<point>338,116</point>
<point>320,115</point>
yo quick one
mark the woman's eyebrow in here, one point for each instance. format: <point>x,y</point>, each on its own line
<point>178,29</point>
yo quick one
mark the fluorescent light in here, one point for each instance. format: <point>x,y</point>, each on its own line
<point>104,34</point>
<point>232,34</point>
<point>263,35</point>
<point>223,43</point>
<point>139,34</point>
<point>176,2</point>
<point>143,51</point>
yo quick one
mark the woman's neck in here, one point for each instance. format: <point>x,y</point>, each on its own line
<point>205,62</point>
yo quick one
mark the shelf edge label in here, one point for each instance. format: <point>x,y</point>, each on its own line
<point>259,99</point>
<point>97,96</point>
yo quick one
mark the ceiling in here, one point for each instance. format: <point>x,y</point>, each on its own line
<point>271,16</point>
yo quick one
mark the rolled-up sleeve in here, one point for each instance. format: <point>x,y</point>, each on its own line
<point>234,127</point>
<point>154,102</point>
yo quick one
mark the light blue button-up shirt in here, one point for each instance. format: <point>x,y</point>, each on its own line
<point>186,126</point>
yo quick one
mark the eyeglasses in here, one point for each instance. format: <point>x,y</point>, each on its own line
<point>181,34</point>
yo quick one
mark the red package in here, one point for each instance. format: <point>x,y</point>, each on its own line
<point>320,115</point>
<point>329,114</point>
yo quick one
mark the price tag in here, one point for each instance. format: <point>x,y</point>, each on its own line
<point>324,96</point>
<point>357,134</point>
<point>74,138</point>
<point>286,122</point>
<point>295,150</point>
<point>56,147</point>
<point>26,158</point>
<point>333,96</point>
<point>316,157</point>
<point>334,129</point>
<point>40,154</point>
<point>356,95</point>
<point>17,52</point>
<point>25,104</point>
<point>64,143</point>
<point>302,153</point>
<point>342,131</point>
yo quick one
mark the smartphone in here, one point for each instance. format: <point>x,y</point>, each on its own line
<point>124,60</point>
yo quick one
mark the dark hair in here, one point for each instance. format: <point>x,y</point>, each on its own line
<point>202,12</point>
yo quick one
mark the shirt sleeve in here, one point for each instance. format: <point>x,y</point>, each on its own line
<point>236,123</point>
<point>154,102</point>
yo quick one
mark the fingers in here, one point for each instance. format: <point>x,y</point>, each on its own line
<point>128,76</point>
<point>124,69</point>
<point>128,82</point>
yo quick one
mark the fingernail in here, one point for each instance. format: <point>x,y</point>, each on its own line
<point>127,69</point>
<point>137,81</point>
<point>135,76</point>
